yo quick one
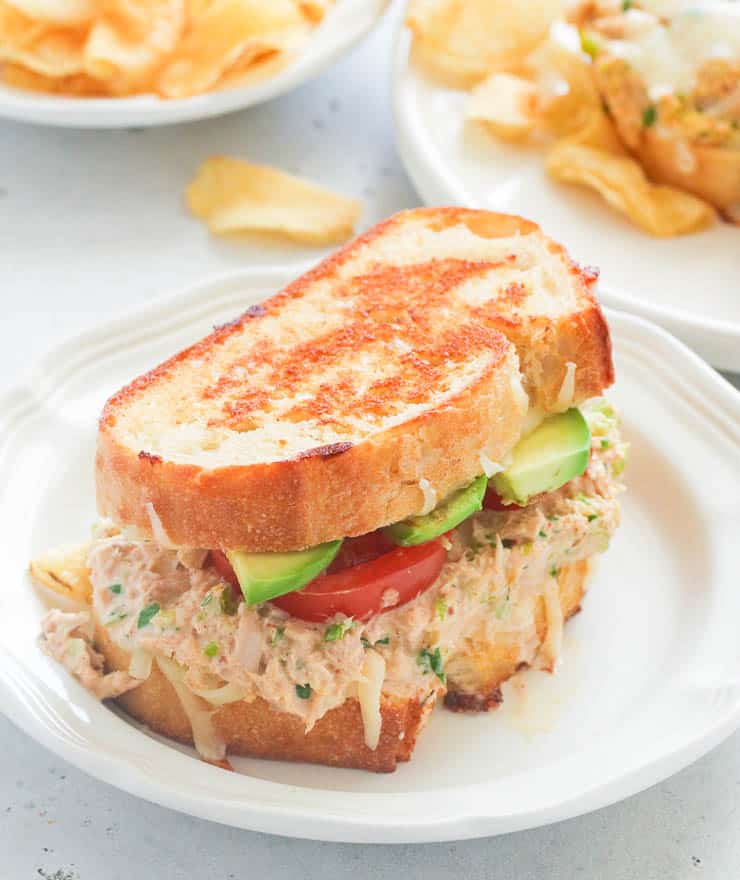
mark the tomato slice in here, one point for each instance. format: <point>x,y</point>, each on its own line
<point>359,591</point>
<point>223,567</point>
<point>365,548</point>
<point>493,501</point>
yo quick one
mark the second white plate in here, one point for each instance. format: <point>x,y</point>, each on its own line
<point>689,285</point>
<point>650,678</point>
<point>345,23</point>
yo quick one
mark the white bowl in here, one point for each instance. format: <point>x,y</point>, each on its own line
<point>690,285</point>
<point>345,23</point>
<point>650,678</point>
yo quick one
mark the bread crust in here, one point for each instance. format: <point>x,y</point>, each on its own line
<point>255,729</point>
<point>343,489</point>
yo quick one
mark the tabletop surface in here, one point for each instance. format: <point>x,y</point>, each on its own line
<point>92,223</point>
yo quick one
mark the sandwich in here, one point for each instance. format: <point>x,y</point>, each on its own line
<point>378,490</point>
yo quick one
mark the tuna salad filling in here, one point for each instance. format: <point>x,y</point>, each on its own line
<point>175,606</point>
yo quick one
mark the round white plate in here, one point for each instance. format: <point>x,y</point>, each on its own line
<point>345,23</point>
<point>690,285</point>
<point>650,678</point>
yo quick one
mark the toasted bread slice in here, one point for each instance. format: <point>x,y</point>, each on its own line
<point>255,729</point>
<point>374,383</point>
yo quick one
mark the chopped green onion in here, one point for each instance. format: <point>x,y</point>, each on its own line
<point>553,572</point>
<point>649,115</point>
<point>431,662</point>
<point>605,444</point>
<point>364,642</point>
<point>303,691</point>
<point>440,606</point>
<point>146,615</point>
<point>116,588</point>
<point>626,4</point>
<point>338,631</point>
<point>589,44</point>
<point>386,640</point>
<point>542,534</point>
<point>206,600</point>
<point>592,517</point>
<point>277,634</point>
<point>228,601</point>
<point>211,649</point>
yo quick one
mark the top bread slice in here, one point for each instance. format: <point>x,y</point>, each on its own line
<point>369,388</point>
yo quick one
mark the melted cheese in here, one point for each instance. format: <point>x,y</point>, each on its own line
<point>368,694</point>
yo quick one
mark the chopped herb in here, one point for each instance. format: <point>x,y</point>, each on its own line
<point>211,649</point>
<point>115,617</point>
<point>364,641</point>
<point>592,516</point>
<point>303,690</point>
<point>618,467</point>
<point>432,662</point>
<point>229,602</point>
<point>338,631</point>
<point>589,44</point>
<point>626,4</point>
<point>277,634</point>
<point>605,444</point>
<point>440,606</point>
<point>386,640</point>
<point>552,518</point>
<point>649,115</point>
<point>146,615</point>
<point>206,600</point>
<point>508,543</point>
<point>542,533</point>
<point>553,572</point>
<point>115,588</point>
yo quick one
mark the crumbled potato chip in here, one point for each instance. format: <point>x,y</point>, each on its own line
<point>460,43</point>
<point>173,48</point>
<point>506,105</point>
<point>234,196</point>
<point>65,571</point>
<point>660,210</point>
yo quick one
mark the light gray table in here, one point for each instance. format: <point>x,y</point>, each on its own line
<point>91,223</point>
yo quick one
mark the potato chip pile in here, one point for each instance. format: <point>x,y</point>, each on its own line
<point>528,86</point>
<point>171,48</point>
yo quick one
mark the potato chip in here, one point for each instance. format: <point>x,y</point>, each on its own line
<point>78,85</point>
<point>65,571</point>
<point>223,35</point>
<point>660,210</point>
<point>57,11</point>
<point>131,37</point>
<point>506,105</point>
<point>234,196</point>
<point>42,47</point>
<point>461,41</point>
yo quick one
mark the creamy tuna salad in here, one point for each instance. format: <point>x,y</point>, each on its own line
<point>174,605</point>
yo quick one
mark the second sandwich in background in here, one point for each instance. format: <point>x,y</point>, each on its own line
<point>379,488</point>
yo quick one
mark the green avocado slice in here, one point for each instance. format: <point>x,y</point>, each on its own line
<point>555,452</point>
<point>264,576</point>
<point>450,513</point>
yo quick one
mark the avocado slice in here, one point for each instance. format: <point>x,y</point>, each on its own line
<point>450,513</point>
<point>264,576</point>
<point>555,452</point>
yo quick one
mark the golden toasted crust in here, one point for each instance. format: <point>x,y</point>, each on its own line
<point>257,730</point>
<point>357,483</point>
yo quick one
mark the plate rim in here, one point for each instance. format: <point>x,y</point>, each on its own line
<point>434,182</point>
<point>352,20</point>
<point>62,362</point>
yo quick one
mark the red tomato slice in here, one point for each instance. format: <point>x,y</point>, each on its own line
<point>358,591</point>
<point>492,501</point>
<point>365,548</point>
<point>223,567</point>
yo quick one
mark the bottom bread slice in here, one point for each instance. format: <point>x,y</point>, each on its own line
<point>256,729</point>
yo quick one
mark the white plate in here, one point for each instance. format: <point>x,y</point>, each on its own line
<point>345,23</point>
<point>690,285</point>
<point>651,673</point>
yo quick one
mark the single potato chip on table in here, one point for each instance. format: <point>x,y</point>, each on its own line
<point>235,196</point>
<point>65,571</point>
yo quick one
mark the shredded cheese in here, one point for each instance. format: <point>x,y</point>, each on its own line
<point>567,392</point>
<point>430,496</point>
<point>208,743</point>
<point>141,664</point>
<point>368,694</point>
<point>553,641</point>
